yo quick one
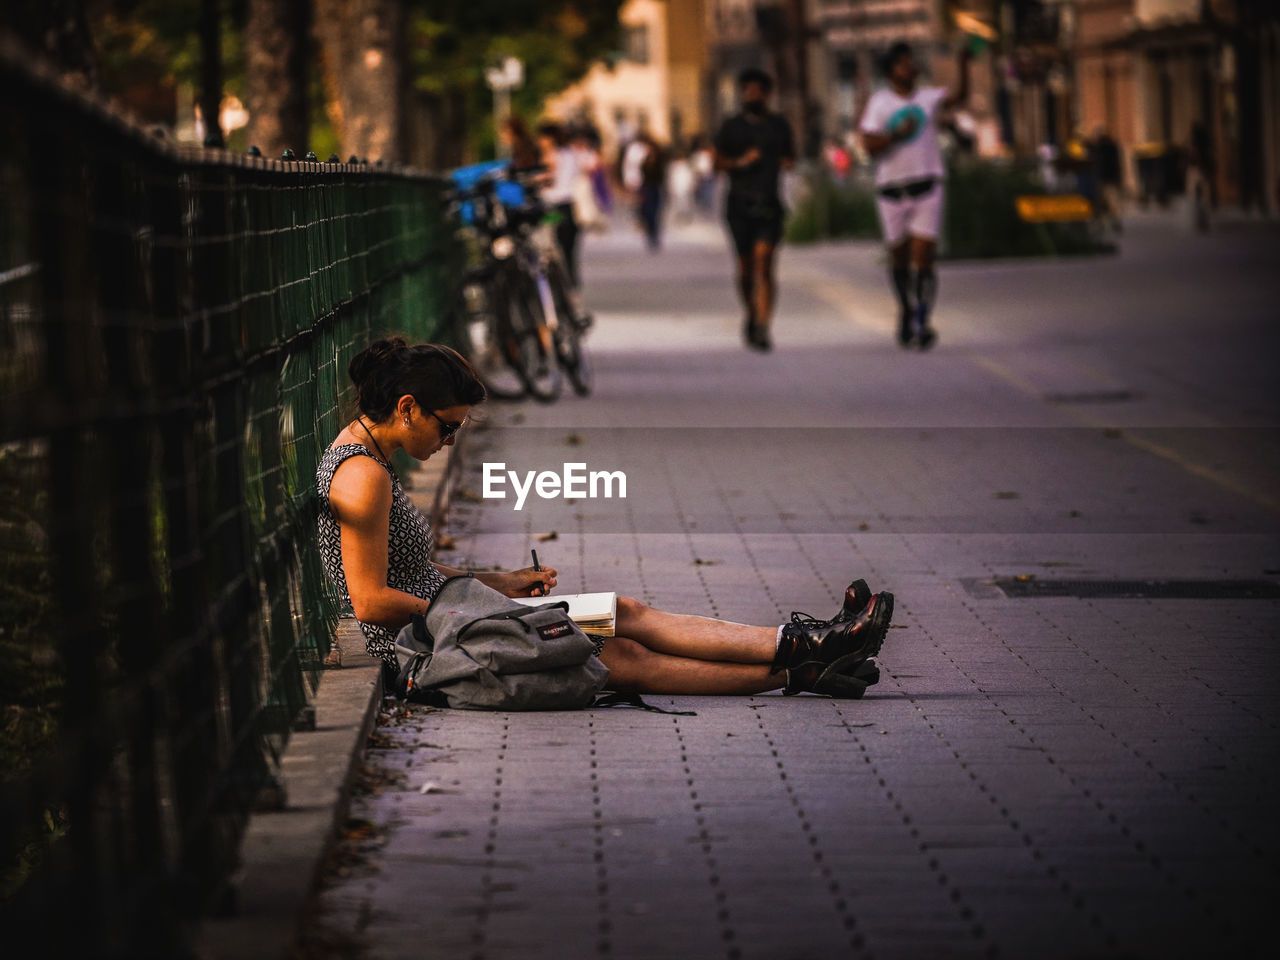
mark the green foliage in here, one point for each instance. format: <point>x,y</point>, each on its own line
<point>146,49</point>
<point>145,41</point>
<point>981,218</point>
<point>831,209</point>
<point>452,42</point>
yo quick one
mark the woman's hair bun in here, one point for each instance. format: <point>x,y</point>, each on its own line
<point>436,376</point>
<point>372,358</point>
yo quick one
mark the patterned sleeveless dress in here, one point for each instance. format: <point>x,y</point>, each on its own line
<point>409,545</point>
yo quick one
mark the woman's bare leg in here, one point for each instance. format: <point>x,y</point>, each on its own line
<point>697,638</point>
<point>634,667</point>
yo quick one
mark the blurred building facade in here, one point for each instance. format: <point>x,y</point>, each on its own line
<point>855,35</point>
<point>656,81</point>
<point>1171,81</point>
<point>1206,82</point>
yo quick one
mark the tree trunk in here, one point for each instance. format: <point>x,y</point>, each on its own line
<point>435,130</point>
<point>362,46</point>
<point>211,72</point>
<point>276,52</point>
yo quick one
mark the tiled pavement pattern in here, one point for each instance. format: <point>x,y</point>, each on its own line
<point>1031,778</point>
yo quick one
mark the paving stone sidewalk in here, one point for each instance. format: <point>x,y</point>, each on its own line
<point>1049,777</point>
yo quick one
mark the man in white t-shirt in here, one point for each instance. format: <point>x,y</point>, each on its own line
<point>900,130</point>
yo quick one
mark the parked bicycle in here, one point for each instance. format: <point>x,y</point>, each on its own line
<point>518,317</point>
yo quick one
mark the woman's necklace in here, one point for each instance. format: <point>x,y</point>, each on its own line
<point>377,446</point>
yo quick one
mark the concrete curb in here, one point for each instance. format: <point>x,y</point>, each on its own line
<point>283,851</point>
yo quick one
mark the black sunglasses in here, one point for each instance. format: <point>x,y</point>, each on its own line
<point>447,429</point>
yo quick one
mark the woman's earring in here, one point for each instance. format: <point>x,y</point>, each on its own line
<point>406,421</point>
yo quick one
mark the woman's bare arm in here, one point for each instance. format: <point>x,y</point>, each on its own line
<point>517,583</point>
<point>360,496</point>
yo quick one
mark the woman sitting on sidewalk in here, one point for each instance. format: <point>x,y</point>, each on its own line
<point>376,548</point>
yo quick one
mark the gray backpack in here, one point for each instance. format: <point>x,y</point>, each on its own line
<point>475,649</point>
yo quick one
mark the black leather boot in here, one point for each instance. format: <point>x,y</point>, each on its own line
<point>856,597</point>
<point>829,656</point>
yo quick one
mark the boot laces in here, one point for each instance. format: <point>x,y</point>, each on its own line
<point>806,622</point>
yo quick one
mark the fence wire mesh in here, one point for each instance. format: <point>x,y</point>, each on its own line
<point>175,327</point>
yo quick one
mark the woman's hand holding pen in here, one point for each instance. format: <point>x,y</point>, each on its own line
<point>528,582</point>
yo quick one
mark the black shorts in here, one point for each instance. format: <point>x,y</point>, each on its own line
<point>755,226</point>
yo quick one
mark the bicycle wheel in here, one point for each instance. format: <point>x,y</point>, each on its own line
<point>570,332</point>
<point>481,332</point>
<point>535,360</point>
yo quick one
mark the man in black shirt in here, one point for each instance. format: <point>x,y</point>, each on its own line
<point>754,147</point>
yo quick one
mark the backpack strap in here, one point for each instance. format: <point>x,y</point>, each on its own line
<point>614,699</point>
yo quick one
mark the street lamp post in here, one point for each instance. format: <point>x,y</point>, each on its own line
<point>502,79</point>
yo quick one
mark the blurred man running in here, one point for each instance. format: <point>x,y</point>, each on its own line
<point>900,130</point>
<point>754,147</point>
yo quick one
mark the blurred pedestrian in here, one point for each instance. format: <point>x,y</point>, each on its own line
<point>1079,163</point>
<point>651,169</point>
<point>586,143</point>
<point>1200,176</point>
<point>586,209</point>
<point>521,147</point>
<point>1109,169</point>
<point>704,171</point>
<point>680,187</point>
<point>563,172</point>
<point>900,130</point>
<point>754,146</point>
<point>630,161</point>
<point>838,159</point>
<point>1047,160</point>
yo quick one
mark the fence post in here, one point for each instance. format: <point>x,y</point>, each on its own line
<point>56,177</point>
<point>120,240</point>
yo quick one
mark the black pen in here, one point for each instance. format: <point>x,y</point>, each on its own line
<point>541,591</point>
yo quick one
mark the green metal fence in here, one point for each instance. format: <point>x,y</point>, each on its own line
<point>175,326</point>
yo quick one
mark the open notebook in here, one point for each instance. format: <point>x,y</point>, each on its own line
<point>593,612</point>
